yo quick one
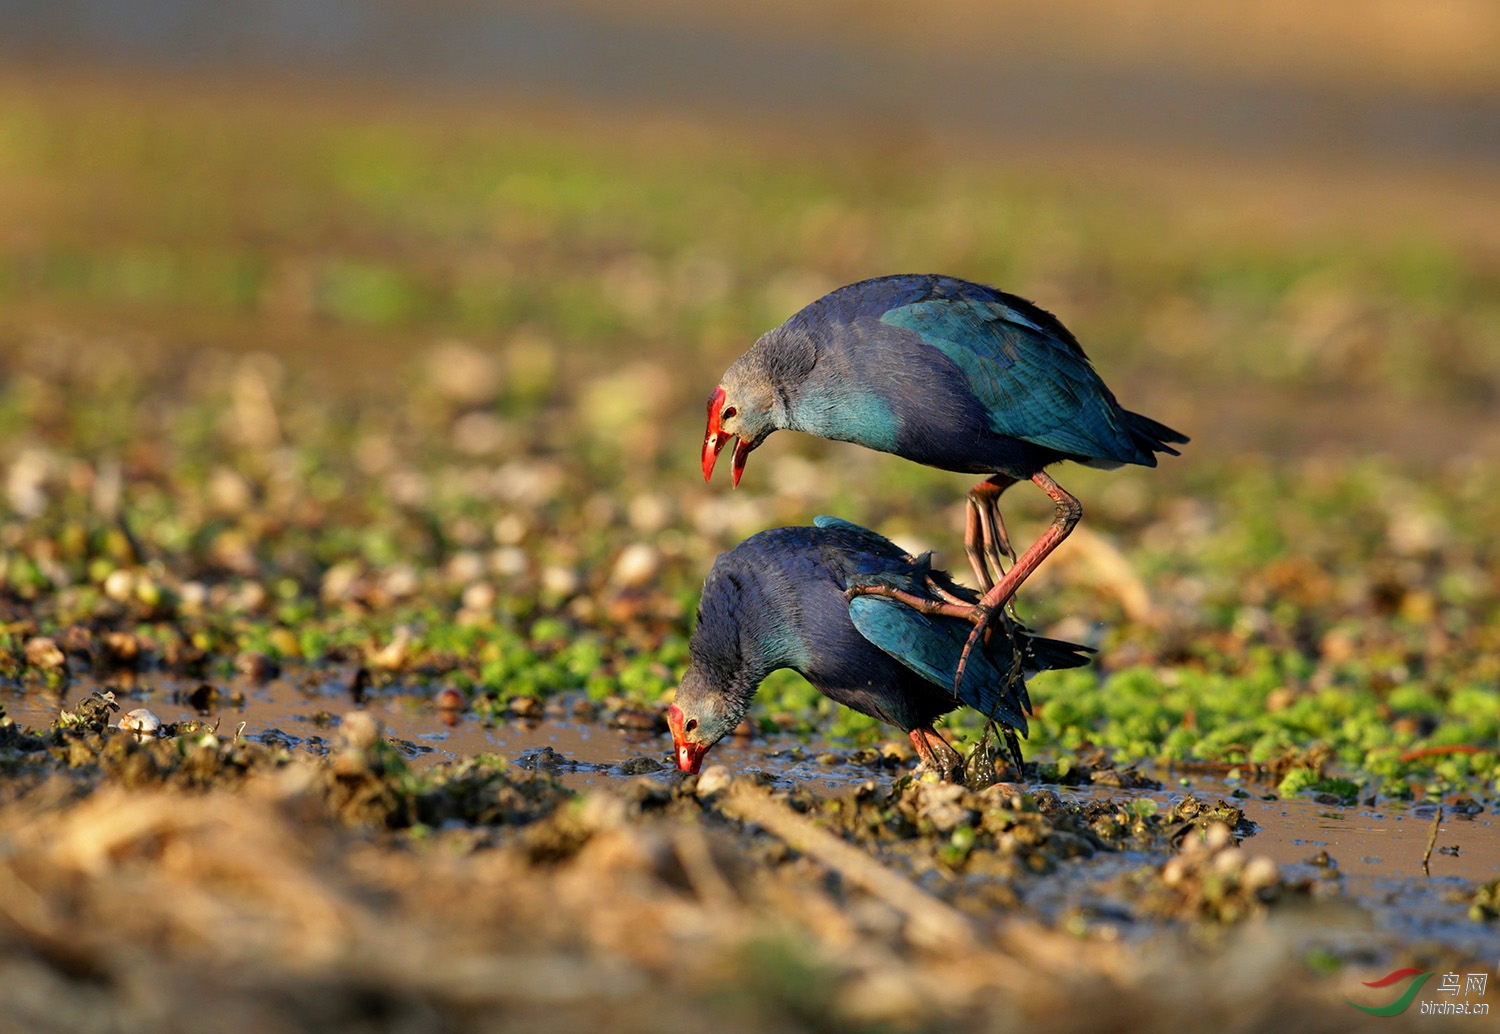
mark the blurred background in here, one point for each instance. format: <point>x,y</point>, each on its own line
<point>348,300</point>
<point>364,344</point>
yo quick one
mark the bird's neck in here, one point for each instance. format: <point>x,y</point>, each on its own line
<point>739,691</point>
<point>820,390</point>
<point>779,647</point>
<point>784,360</point>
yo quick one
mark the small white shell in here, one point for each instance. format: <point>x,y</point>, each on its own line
<point>141,722</point>
<point>1219,836</point>
<point>714,779</point>
<point>1260,872</point>
<point>360,730</point>
<point>1229,861</point>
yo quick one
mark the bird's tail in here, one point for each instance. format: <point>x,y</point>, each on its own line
<point>1153,435</point>
<point>1054,654</point>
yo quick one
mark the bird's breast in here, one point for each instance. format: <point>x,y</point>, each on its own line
<point>846,414</point>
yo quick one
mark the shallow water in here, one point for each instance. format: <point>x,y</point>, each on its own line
<point>1376,864</point>
<point>1376,851</point>
<point>303,714</point>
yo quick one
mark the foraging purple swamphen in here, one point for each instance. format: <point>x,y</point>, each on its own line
<point>778,600</point>
<point>948,373</point>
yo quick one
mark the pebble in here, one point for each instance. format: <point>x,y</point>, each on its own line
<point>637,567</point>
<point>465,566</point>
<point>1229,861</point>
<point>942,805</point>
<point>120,585</point>
<point>635,718</point>
<point>897,750</point>
<point>360,730</point>
<point>141,722</point>
<point>510,530</point>
<point>77,639</point>
<point>401,580</point>
<point>601,811</point>
<point>392,656</point>
<point>122,647</point>
<point>524,707</point>
<point>203,698</point>
<point>1174,871</point>
<point>44,653</point>
<point>1260,872</point>
<point>713,779</point>
<point>509,562</point>
<point>649,514</point>
<point>479,597</point>
<point>560,581</point>
<point>257,667</point>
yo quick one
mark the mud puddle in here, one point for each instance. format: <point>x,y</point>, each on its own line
<point>1369,858</point>
<point>305,715</point>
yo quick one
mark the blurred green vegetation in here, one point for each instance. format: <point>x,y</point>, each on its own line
<point>680,244</point>
<point>335,385</point>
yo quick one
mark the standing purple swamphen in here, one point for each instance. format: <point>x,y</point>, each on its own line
<point>948,373</point>
<point>778,600</point>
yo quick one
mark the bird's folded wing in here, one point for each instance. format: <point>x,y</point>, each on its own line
<point>931,647</point>
<point>1036,386</point>
<point>878,542</point>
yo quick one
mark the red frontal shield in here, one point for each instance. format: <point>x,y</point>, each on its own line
<point>689,755</point>
<point>714,438</point>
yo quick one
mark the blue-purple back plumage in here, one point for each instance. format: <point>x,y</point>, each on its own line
<point>942,371</point>
<point>777,600</point>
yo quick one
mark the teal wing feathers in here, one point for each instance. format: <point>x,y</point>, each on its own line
<point>875,540</point>
<point>931,647</point>
<point>1036,386</point>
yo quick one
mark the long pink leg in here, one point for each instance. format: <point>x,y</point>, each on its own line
<point>935,752</point>
<point>985,537</point>
<point>1068,511</point>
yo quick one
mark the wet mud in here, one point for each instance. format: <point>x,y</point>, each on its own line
<point>1383,883</point>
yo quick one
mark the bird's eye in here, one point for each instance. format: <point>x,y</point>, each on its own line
<point>692,723</point>
<point>730,412</point>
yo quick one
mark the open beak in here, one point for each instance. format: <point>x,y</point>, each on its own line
<point>737,465</point>
<point>689,755</point>
<point>714,440</point>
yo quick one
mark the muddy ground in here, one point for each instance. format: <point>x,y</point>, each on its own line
<point>356,441</point>
<point>347,880</point>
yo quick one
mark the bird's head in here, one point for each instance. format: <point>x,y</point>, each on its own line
<point>742,407</point>
<point>701,716</point>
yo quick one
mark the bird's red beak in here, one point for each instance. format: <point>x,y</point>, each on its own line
<point>689,755</point>
<point>737,465</point>
<point>714,438</point>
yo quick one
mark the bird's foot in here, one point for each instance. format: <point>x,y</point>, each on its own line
<point>958,609</point>
<point>980,614</point>
<point>993,763</point>
<point>945,595</point>
<point>936,755</point>
<point>981,765</point>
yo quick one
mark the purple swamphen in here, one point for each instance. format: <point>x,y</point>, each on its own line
<point>948,373</point>
<point>779,600</point>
